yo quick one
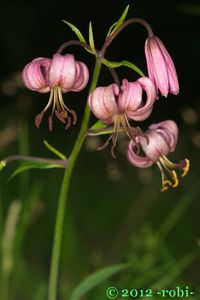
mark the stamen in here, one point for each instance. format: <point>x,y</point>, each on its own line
<point>186,167</point>
<point>59,116</point>
<point>169,163</point>
<point>175,178</point>
<point>112,137</point>
<point>38,119</point>
<point>65,109</point>
<point>74,116</point>
<point>170,168</point>
<point>112,151</point>
<point>105,144</point>
<point>132,132</point>
<point>59,108</point>
<point>68,122</point>
<point>164,188</point>
<point>172,173</point>
<point>54,101</point>
<point>50,101</point>
<point>165,182</point>
<point>50,123</point>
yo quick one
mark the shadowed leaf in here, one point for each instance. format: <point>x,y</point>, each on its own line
<point>54,150</point>
<point>123,63</point>
<point>33,165</point>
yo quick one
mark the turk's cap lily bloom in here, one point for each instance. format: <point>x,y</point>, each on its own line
<point>162,139</point>
<point>161,69</point>
<point>58,75</point>
<point>117,105</point>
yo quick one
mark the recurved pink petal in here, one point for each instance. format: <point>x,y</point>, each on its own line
<point>169,131</point>
<point>82,77</point>
<point>156,146</point>
<point>131,96</point>
<point>102,102</point>
<point>136,160</point>
<point>145,108</point>
<point>34,75</point>
<point>62,72</point>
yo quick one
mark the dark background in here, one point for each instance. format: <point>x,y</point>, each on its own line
<point>114,212</point>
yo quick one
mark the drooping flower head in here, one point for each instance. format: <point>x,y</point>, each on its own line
<point>117,105</point>
<point>162,139</point>
<point>58,75</point>
<point>161,69</point>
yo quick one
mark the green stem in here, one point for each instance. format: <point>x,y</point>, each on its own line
<point>65,191</point>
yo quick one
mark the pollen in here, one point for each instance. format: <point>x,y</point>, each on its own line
<point>169,173</point>
<point>165,185</point>
<point>186,167</point>
<point>175,179</point>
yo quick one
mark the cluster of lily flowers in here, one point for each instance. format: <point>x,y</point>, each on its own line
<point>117,105</point>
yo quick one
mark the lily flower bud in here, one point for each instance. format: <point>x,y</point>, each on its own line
<point>161,69</point>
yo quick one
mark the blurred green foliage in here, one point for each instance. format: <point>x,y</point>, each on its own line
<point>116,214</point>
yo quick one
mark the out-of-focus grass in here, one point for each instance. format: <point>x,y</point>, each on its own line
<point>109,220</point>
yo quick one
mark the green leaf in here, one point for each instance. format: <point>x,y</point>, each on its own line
<point>96,132</point>
<point>101,129</point>
<point>98,125</point>
<point>91,37</point>
<point>95,279</point>
<point>110,29</point>
<point>123,63</point>
<point>34,165</point>
<point>117,24</point>
<point>54,150</point>
<point>76,30</point>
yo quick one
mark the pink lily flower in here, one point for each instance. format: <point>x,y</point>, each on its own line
<point>58,75</point>
<point>161,69</point>
<point>117,105</point>
<point>162,139</point>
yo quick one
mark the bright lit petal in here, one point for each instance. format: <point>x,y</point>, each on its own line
<point>62,72</point>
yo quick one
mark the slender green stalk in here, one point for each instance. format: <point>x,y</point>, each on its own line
<point>65,191</point>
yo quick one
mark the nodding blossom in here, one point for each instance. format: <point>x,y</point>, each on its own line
<point>162,139</point>
<point>161,69</point>
<point>58,75</point>
<point>117,105</point>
